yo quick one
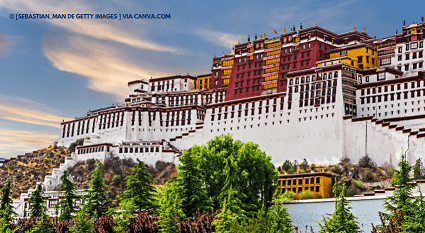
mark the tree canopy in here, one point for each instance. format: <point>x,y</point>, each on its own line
<point>253,177</point>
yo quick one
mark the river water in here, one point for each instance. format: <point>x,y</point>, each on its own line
<point>310,214</point>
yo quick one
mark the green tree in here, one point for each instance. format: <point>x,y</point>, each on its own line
<point>6,200</point>
<point>416,221</point>
<point>5,221</point>
<point>231,213</point>
<point>418,170</point>
<point>304,165</point>
<point>404,212</point>
<point>66,204</point>
<point>139,188</point>
<point>97,202</point>
<point>256,177</point>
<point>287,165</point>
<point>189,185</point>
<point>281,221</point>
<point>37,203</point>
<point>342,220</point>
<point>82,222</point>
<point>170,210</point>
<point>402,197</point>
<point>274,220</point>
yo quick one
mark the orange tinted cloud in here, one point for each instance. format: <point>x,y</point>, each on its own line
<point>106,66</point>
<point>28,111</point>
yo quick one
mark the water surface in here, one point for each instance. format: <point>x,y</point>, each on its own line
<point>309,214</point>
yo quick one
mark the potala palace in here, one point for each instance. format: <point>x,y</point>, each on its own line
<point>309,93</point>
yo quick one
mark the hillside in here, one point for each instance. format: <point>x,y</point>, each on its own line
<point>115,171</point>
<point>25,172</point>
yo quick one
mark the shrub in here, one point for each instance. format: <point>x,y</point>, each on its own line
<point>307,194</point>
<point>366,161</point>
<point>287,196</point>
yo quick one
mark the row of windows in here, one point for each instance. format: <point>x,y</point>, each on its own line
<point>411,46</point>
<point>271,78</point>
<point>303,55</point>
<point>68,129</point>
<point>92,150</point>
<point>272,61</point>
<point>414,66</point>
<point>227,72</point>
<point>325,76</point>
<point>314,102</point>
<point>392,88</point>
<point>138,150</point>
<point>254,80</point>
<point>395,96</point>
<point>239,114</point>
<point>300,181</point>
<point>301,189</point>
<point>254,88</point>
<point>240,106</point>
<point>269,86</point>
<point>271,70</point>
<point>272,53</point>
<point>414,56</point>
<point>272,45</point>
<point>106,122</point>
<point>228,63</point>
<point>312,87</point>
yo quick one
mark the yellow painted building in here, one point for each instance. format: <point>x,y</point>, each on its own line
<point>320,183</point>
<point>203,81</point>
<point>362,56</point>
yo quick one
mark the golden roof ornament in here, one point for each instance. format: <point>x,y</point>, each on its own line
<point>364,30</point>
<point>315,24</point>
<point>223,53</point>
<point>214,55</point>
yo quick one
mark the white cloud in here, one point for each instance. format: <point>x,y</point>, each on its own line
<point>220,38</point>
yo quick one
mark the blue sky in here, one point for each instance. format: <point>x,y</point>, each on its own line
<point>58,69</point>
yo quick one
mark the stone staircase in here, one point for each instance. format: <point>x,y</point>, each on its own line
<point>185,140</point>
<point>390,190</point>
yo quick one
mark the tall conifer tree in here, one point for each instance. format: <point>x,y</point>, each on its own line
<point>37,203</point>
<point>6,200</point>
<point>66,204</point>
<point>139,188</point>
<point>190,187</point>
<point>97,202</point>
